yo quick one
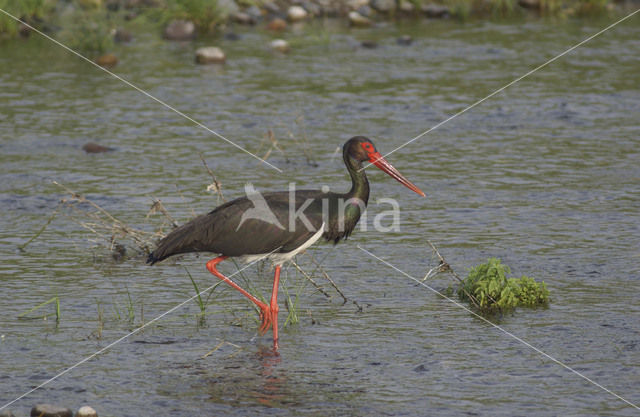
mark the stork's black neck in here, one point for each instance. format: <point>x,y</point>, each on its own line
<point>359,182</point>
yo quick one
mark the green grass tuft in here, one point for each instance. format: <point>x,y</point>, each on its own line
<point>495,292</point>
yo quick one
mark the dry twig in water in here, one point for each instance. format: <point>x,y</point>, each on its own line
<point>444,266</point>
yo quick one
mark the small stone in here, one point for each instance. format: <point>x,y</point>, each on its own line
<point>436,10</point>
<point>310,7</point>
<point>529,4</point>
<point>384,6</point>
<point>48,410</point>
<point>404,40</point>
<point>227,7</point>
<point>356,4</point>
<point>210,55</point>
<point>407,7</point>
<point>272,8</point>
<point>255,12</point>
<point>107,60</point>
<point>280,45</point>
<point>180,30</point>
<point>243,18</point>
<point>369,44</point>
<point>356,19</point>
<point>277,25</point>
<point>296,13</point>
<point>122,35</point>
<point>93,147</point>
<point>365,11</point>
<point>24,30</point>
<point>86,411</point>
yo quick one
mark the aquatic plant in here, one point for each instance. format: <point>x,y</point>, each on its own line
<point>495,292</point>
<point>88,31</point>
<point>30,11</point>
<point>206,15</point>
<point>55,300</point>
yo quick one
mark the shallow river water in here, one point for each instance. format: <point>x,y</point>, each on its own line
<point>544,175</point>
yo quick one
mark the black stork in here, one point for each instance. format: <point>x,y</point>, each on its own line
<point>279,225</point>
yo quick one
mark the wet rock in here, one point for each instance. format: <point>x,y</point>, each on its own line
<point>420,368</point>
<point>210,55</point>
<point>356,19</point>
<point>356,4</point>
<point>227,7</point>
<point>384,6</point>
<point>311,7</point>
<point>180,30</point>
<point>365,11</point>
<point>122,35</point>
<point>272,8</point>
<point>93,147</point>
<point>48,410</point>
<point>86,411</point>
<point>280,45</point>
<point>529,4</point>
<point>404,40</point>
<point>296,13</point>
<point>244,18</point>
<point>369,44</point>
<point>406,7</point>
<point>436,10</point>
<point>107,60</point>
<point>254,12</point>
<point>277,25</point>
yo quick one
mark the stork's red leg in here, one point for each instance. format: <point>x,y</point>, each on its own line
<point>274,306</point>
<point>265,311</point>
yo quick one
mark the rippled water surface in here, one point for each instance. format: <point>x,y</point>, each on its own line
<point>545,175</point>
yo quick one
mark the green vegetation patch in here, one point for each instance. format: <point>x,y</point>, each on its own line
<point>495,292</point>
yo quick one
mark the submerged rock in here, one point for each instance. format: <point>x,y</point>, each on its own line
<point>92,147</point>
<point>107,60</point>
<point>210,55</point>
<point>7,413</point>
<point>49,410</point>
<point>404,40</point>
<point>369,44</point>
<point>86,411</point>
<point>296,13</point>
<point>180,30</point>
<point>280,45</point>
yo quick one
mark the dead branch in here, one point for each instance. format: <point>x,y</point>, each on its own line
<point>215,186</point>
<point>444,266</point>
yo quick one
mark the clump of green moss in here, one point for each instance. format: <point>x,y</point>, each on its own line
<point>494,292</point>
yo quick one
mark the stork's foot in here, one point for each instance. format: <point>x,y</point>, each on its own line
<point>268,318</point>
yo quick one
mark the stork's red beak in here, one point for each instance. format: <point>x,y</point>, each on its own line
<point>379,161</point>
